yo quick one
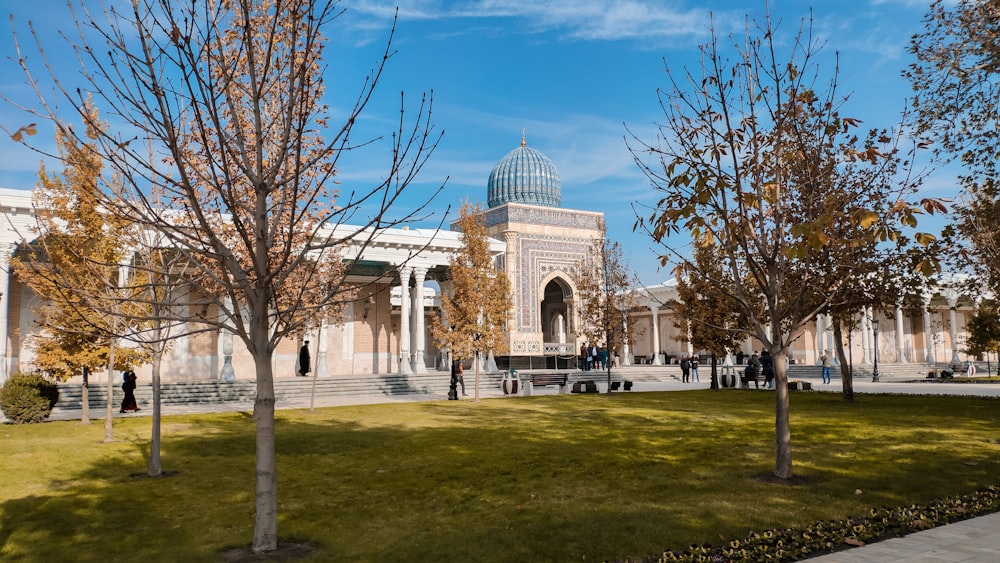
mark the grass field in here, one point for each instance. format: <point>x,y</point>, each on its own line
<point>548,478</point>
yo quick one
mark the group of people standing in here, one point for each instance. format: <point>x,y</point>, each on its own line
<point>593,357</point>
<point>689,369</point>
<point>760,365</point>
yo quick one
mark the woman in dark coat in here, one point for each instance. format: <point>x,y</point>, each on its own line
<point>304,367</point>
<point>128,386</point>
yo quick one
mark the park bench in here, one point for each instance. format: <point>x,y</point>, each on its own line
<point>615,385</point>
<point>757,379</point>
<point>545,380</point>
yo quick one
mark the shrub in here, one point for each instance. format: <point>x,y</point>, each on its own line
<point>27,399</point>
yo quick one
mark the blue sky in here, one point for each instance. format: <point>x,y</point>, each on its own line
<point>572,75</point>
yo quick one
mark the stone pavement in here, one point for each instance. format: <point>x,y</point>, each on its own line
<point>974,540</point>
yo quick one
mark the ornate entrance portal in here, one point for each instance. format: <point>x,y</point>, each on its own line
<point>556,319</point>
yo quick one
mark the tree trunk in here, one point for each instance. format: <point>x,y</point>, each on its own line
<point>265,529</point>
<point>476,361</point>
<point>155,468</point>
<point>782,430</point>
<point>607,365</point>
<point>85,397</point>
<point>312,392</point>
<point>109,414</point>
<point>715,374</point>
<point>846,377</point>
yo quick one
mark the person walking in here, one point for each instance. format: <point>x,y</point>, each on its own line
<point>685,369</point>
<point>304,359</point>
<point>767,368</point>
<point>970,368</point>
<point>129,403</point>
<point>824,361</point>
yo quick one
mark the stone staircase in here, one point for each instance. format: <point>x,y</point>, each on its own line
<point>893,371</point>
<point>210,392</point>
<point>290,389</point>
<point>434,382</point>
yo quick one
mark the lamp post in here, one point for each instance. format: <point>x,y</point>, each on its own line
<point>875,366</point>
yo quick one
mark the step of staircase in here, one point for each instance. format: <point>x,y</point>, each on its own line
<point>288,389</point>
<point>435,382</point>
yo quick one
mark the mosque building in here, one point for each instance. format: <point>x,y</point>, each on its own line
<point>400,273</point>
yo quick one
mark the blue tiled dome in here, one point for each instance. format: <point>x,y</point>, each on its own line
<point>524,176</point>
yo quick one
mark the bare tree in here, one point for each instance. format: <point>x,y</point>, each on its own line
<point>227,97</point>
<point>607,291</point>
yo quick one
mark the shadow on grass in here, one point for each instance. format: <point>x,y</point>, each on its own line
<point>541,478</point>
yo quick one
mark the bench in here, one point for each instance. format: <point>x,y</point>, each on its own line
<point>545,380</point>
<point>757,380</point>
<point>615,385</point>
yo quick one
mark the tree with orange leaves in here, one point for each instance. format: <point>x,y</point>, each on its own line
<point>477,309</point>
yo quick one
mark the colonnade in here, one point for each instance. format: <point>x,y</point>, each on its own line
<point>412,340</point>
<point>869,332</point>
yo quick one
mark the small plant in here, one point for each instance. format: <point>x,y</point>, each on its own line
<point>28,398</point>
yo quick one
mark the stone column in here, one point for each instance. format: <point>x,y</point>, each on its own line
<point>419,363</point>
<point>900,341</point>
<point>928,332</point>
<point>866,335</point>
<point>952,297</point>
<point>227,374</point>
<point>656,334</point>
<point>322,371</point>
<point>5,254</point>
<point>820,333</point>
<point>828,337</point>
<point>625,361</point>
<point>405,368</point>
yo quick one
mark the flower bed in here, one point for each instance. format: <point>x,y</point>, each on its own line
<point>791,544</point>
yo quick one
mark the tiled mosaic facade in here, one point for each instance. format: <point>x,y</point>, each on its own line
<point>537,258</point>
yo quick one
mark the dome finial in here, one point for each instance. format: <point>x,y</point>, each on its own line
<point>523,143</point>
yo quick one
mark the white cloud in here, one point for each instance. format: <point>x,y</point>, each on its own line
<point>591,20</point>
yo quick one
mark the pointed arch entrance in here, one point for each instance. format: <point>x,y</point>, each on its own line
<point>558,327</point>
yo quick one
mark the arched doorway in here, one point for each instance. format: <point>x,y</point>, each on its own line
<point>558,330</point>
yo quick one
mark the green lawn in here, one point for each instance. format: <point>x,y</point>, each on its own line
<point>545,478</point>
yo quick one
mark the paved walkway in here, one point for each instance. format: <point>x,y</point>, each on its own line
<point>974,540</point>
